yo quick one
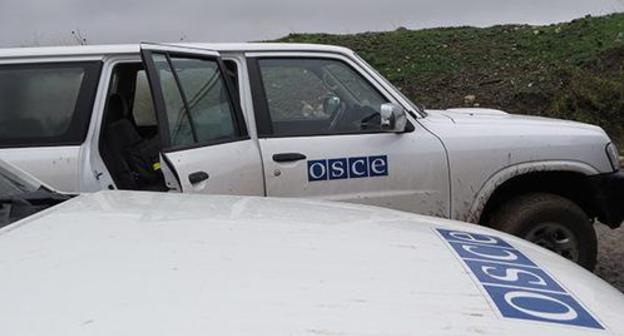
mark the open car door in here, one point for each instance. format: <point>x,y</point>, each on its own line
<point>205,145</point>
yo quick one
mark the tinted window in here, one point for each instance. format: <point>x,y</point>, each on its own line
<point>46,104</point>
<point>210,114</point>
<point>318,96</point>
<point>177,119</point>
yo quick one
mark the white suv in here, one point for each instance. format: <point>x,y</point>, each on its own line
<point>304,121</point>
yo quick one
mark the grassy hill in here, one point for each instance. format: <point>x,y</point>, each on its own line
<point>570,70</point>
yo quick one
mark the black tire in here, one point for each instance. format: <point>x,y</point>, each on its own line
<point>551,221</point>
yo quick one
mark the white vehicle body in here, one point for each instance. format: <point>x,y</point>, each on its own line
<point>136,263</point>
<point>460,164</point>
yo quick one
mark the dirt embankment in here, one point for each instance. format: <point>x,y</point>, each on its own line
<point>571,70</point>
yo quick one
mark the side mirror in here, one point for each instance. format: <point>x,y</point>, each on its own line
<point>331,105</point>
<point>393,118</point>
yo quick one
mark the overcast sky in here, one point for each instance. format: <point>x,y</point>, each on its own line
<point>50,22</point>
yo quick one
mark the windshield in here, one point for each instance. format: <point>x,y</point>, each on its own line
<point>22,195</point>
<point>13,184</point>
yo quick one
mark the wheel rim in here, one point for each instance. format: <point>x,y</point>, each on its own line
<point>557,238</point>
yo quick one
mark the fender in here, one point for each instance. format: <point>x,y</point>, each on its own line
<point>507,173</point>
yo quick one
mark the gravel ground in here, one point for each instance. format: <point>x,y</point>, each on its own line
<point>611,255</point>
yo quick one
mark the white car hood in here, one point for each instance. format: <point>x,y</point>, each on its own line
<point>470,112</point>
<point>123,263</point>
<point>492,117</point>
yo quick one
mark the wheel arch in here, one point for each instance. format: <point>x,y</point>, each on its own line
<point>564,178</point>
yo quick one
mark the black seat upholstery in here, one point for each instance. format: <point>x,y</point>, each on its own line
<point>119,135</point>
<point>130,158</point>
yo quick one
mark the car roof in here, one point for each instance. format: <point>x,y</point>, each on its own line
<point>114,49</point>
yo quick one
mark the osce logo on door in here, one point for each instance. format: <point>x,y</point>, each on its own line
<point>347,168</point>
<point>516,285</point>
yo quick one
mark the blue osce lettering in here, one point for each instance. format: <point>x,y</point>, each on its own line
<point>541,306</point>
<point>491,253</point>
<point>347,168</point>
<point>358,167</point>
<point>338,169</point>
<point>317,170</point>
<point>516,285</point>
<point>502,274</point>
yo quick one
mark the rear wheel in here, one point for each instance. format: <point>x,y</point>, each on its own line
<point>553,222</point>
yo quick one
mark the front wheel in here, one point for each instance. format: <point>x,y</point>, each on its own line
<point>553,222</point>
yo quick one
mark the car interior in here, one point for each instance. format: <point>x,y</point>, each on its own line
<point>130,144</point>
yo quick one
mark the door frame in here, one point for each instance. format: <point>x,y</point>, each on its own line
<point>147,51</point>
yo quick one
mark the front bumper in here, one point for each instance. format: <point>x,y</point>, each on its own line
<point>609,198</point>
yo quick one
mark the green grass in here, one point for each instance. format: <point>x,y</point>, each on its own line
<point>571,70</point>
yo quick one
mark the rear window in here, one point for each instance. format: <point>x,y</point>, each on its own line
<point>46,104</point>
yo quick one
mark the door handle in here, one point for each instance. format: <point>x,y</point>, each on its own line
<point>198,177</point>
<point>288,157</point>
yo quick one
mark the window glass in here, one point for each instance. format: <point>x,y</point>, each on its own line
<point>293,92</point>
<point>39,104</point>
<point>357,86</point>
<point>319,96</point>
<point>178,122</point>
<point>210,108</point>
<point>211,115</point>
<point>12,185</point>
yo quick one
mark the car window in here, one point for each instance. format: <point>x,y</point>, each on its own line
<point>21,195</point>
<point>11,184</point>
<point>293,92</point>
<point>11,187</point>
<point>210,115</point>
<point>318,97</point>
<point>44,104</point>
